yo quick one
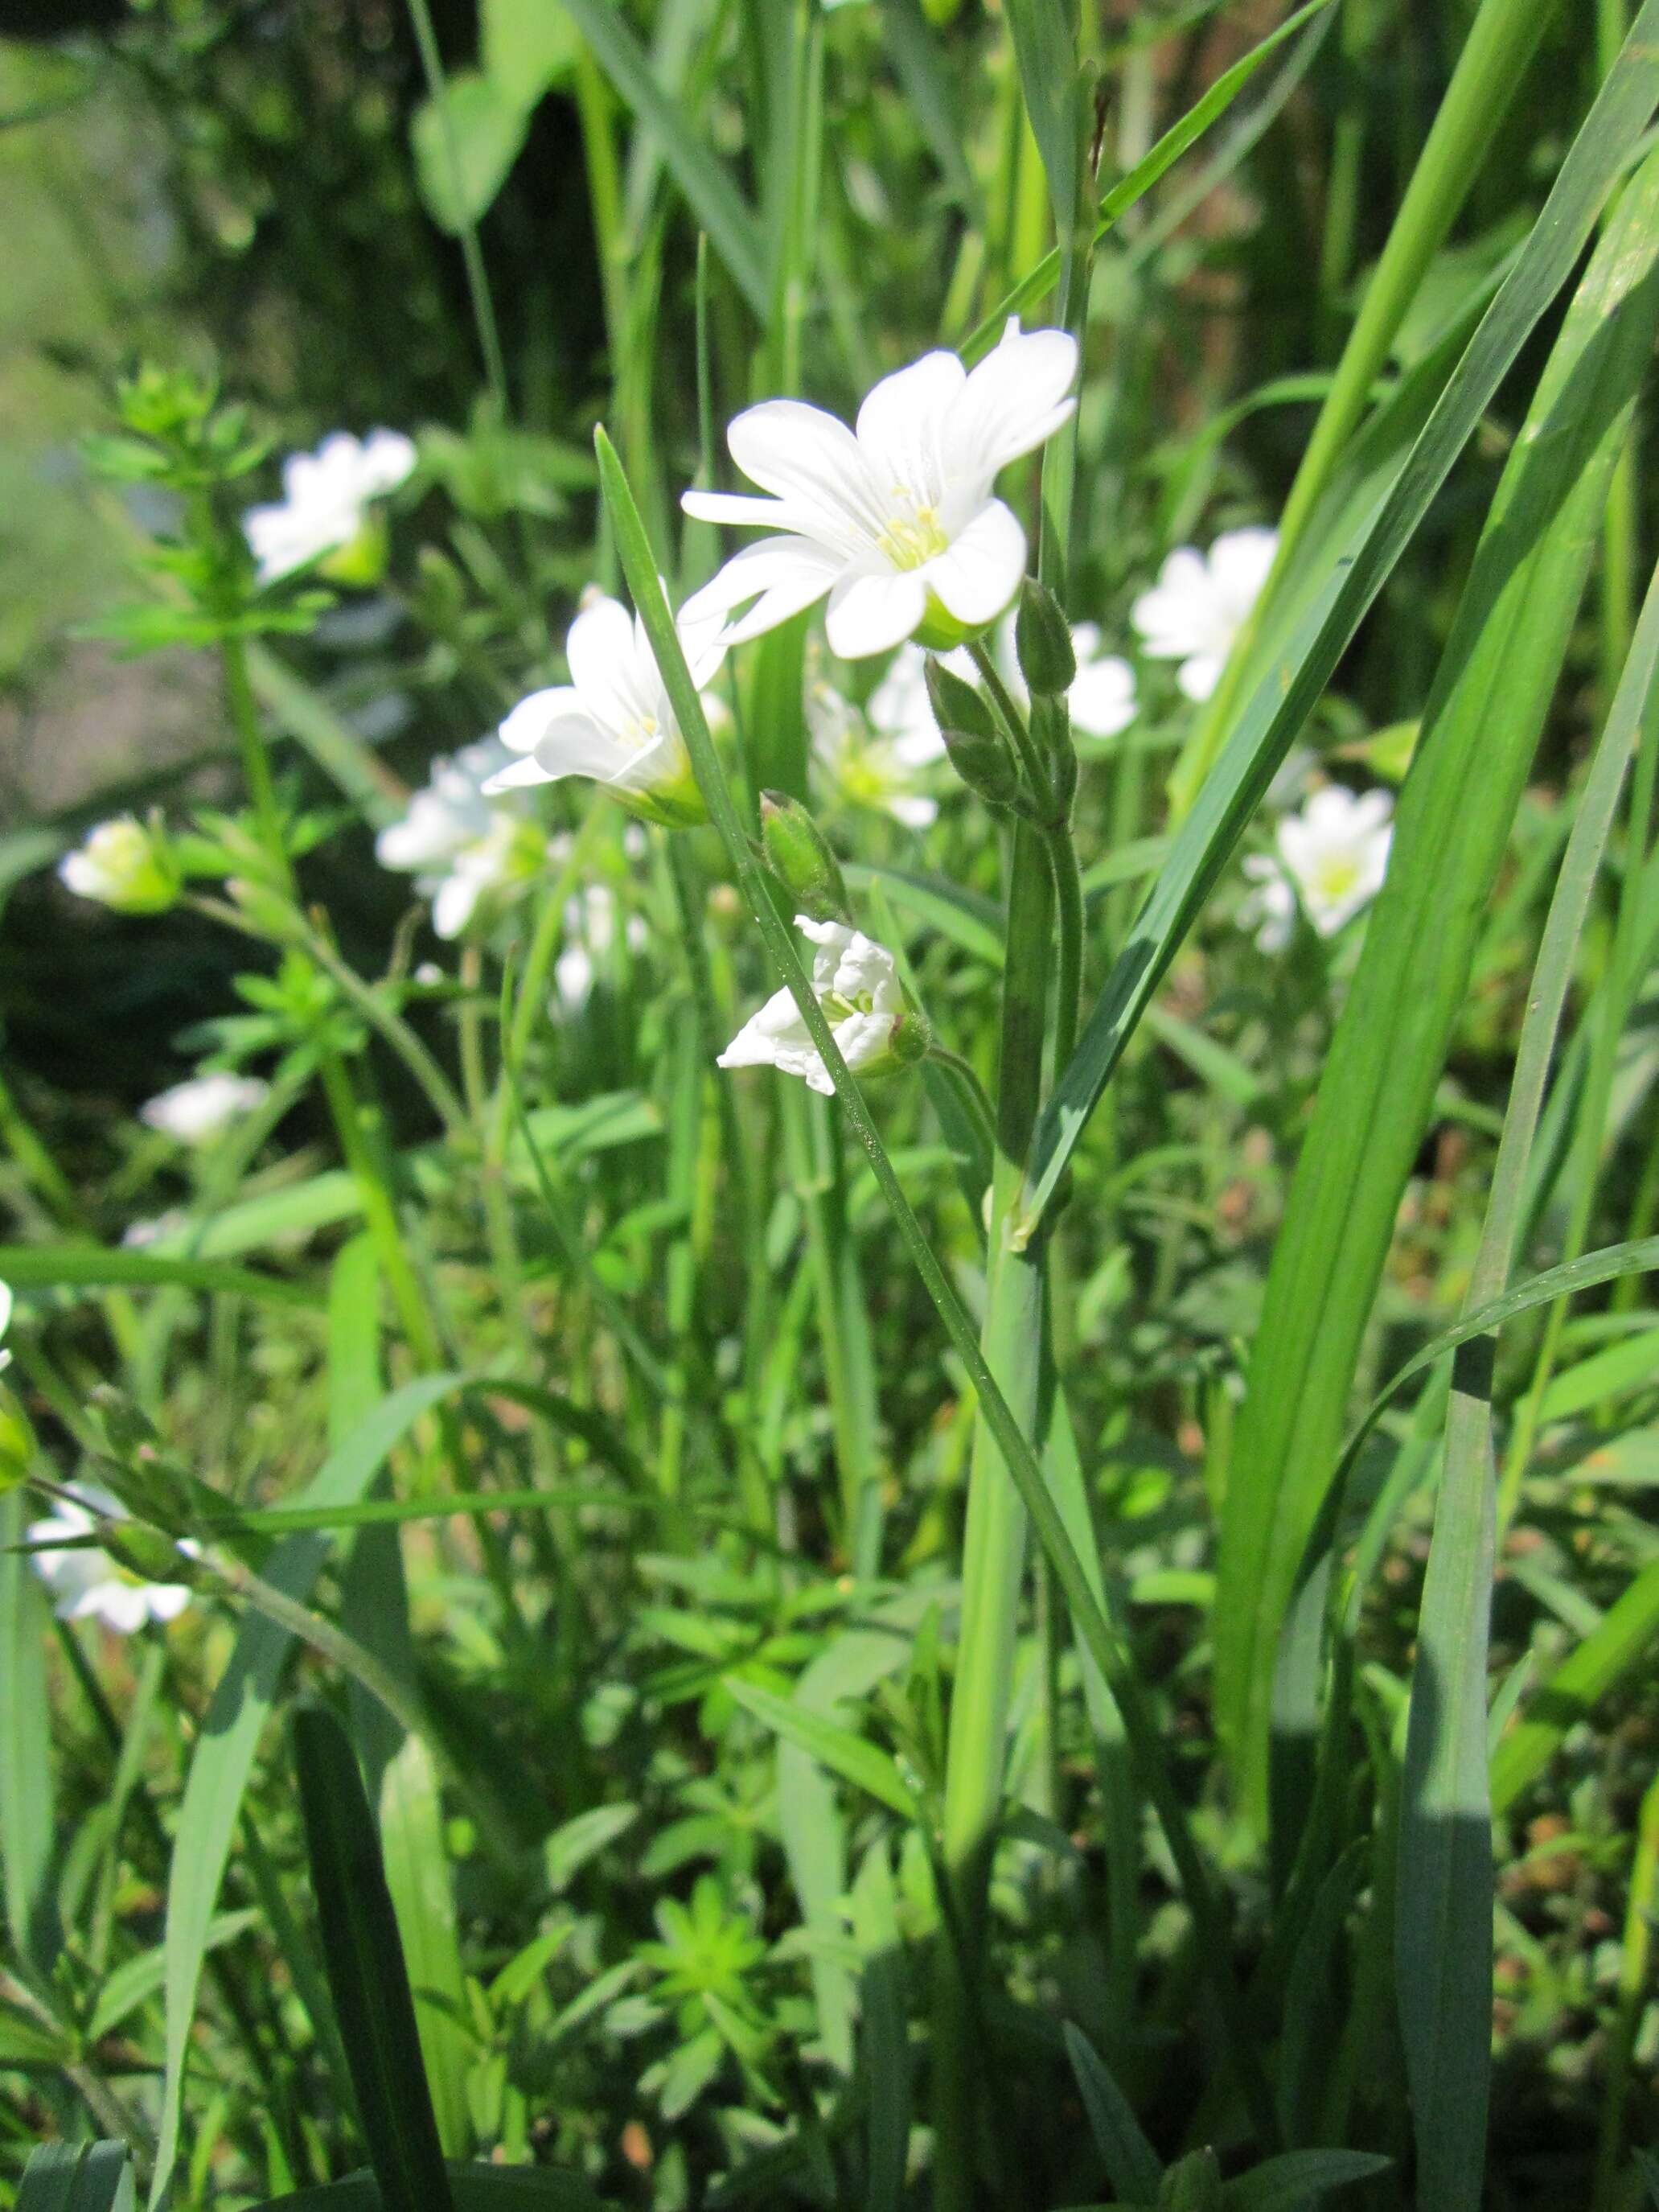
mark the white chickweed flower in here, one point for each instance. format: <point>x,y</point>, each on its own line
<point>1200,604</point>
<point>124,865</point>
<point>896,519</point>
<point>867,769</point>
<point>590,923</point>
<point>202,1107</point>
<point>856,982</point>
<point>88,1584</point>
<point>613,721</point>
<point>462,851</point>
<point>5,1320</point>
<point>1331,861</point>
<point>325,504</point>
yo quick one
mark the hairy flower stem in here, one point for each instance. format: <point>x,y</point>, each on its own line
<point>993,1547</point>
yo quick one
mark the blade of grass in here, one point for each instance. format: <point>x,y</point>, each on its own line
<point>367,1973</point>
<point>28,1824</point>
<point>417,1877</point>
<point>1291,689</point>
<point>74,1267</point>
<point>1491,695</point>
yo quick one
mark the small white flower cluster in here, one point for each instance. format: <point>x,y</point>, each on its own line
<point>5,1321</point>
<point>856,982</point>
<point>204,1107</point>
<point>464,852</point>
<point>1200,602</point>
<point>590,925</point>
<point>326,499</point>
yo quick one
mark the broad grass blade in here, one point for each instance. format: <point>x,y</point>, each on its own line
<point>1287,694</point>
<point>883,2044</point>
<point>26,1822</point>
<point>95,2177</point>
<point>366,1971</point>
<point>418,1877</point>
<point>1480,730</point>
<point>1298,2179</point>
<point>1045,46</point>
<point>733,229</point>
<point>230,1734</point>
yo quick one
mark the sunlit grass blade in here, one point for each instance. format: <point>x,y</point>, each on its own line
<point>366,1975</point>
<point>417,1875</point>
<point>719,206</point>
<point>1501,42</point>
<point>28,1824</point>
<point>1287,696</point>
<point>94,1267</point>
<point>1480,730</point>
<point>229,1739</point>
<point>1045,45</point>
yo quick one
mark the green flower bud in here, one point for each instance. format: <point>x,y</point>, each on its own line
<point>913,1037</point>
<point>978,752</point>
<point>798,854</point>
<point>146,1553</point>
<point>1192,2185</point>
<point>1047,658</point>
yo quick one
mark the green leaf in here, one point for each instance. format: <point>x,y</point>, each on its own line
<point>26,2043</point>
<point>884,2041</point>
<point>366,1975</point>
<point>1282,703</point>
<point>229,1738</point>
<point>473,131</point>
<point>934,102</point>
<point>1608,1654</point>
<point>95,2177</point>
<point>574,1843</point>
<point>836,1747</point>
<point>1135,2167</point>
<point>971,922</point>
<point>97,1266</point>
<point>1481,729</point>
<point>1297,2179</point>
<point>418,1878</point>
<point>137,1980</point>
<point>733,229</point>
<point>1045,47</point>
<point>27,1823</point>
<point>527,46</point>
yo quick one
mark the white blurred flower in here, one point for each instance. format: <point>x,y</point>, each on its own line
<point>590,923</point>
<point>1102,699</point>
<point>325,500</point>
<point>613,720</point>
<point>867,769</point>
<point>856,980</point>
<point>894,520</point>
<point>199,1109</point>
<point>1200,604</point>
<point>87,1584</point>
<point>139,1235</point>
<point>461,849</point>
<point>1331,861</point>
<point>901,711</point>
<point>5,1320</point>
<point>124,865</point>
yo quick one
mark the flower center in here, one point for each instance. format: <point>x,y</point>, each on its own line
<point>913,535</point>
<point>838,1007</point>
<point>1335,879</point>
<point>640,733</point>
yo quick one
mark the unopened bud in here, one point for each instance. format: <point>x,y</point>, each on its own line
<point>977,752</point>
<point>799,856</point>
<point>1043,636</point>
<point>956,705</point>
<point>912,1039</point>
<point>125,865</point>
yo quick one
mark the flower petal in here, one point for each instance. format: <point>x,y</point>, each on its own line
<point>781,575</point>
<point>603,649</point>
<point>815,466</point>
<point>1016,397</point>
<point>979,574</point>
<point>870,612</point>
<point>522,731</point>
<point>1102,700</point>
<point>901,423</point>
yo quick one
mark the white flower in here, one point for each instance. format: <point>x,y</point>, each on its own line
<point>895,521</point>
<point>613,721</point>
<point>5,1320</point>
<point>856,982</point>
<point>867,769</point>
<point>1332,858</point>
<point>159,1228</point>
<point>901,711</point>
<point>325,498</point>
<point>88,1584</point>
<point>459,849</point>
<point>201,1109</point>
<point>1199,605</point>
<point>124,866</point>
<point>590,922</point>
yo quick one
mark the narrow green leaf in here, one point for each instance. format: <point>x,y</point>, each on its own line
<point>575,1842</point>
<point>970,921</point>
<point>27,1823</point>
<point>884,2042</point>
<point>933,100</point>
<point>366,1971</point>
<point>137,1980</point>
<point>24,2044</point>
<point>1135,2167</point>
<point>422,1895</point>
<point>229,1739</point>
<point>1287,695</point>
<point>1621,1643</point>
<point>95,2177</point>
<point>1045,47</point>
<point>838,1748</point>
<point>733,228</point>
<point>1480,730</point>
<point>95,1266</point>
<point>1296,2179</point>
